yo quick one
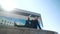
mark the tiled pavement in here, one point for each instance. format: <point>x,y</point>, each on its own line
<point>24,31</point>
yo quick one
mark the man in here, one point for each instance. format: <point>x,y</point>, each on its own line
<point>35,23</point>
<point>27,24</point>
<point>32,23</point>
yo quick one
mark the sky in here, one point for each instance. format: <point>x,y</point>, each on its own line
<point>49,10</point>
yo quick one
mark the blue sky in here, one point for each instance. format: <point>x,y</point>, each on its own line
<point>49,10</point>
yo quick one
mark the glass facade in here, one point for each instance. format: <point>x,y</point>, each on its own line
<point>16,18</point>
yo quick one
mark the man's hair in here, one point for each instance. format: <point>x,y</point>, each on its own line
<point>36,16</point>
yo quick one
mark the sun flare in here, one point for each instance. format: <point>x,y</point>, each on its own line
<point>8,5</point>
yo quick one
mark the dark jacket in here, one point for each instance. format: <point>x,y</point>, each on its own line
<point>34,24</point>
<point>27,24</point>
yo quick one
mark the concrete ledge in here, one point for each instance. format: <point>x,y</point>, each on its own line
<point>24,31</point>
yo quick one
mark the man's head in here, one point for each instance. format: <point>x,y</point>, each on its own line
<point>36,18</point>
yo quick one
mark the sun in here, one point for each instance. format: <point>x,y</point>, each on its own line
<point>8,5</point>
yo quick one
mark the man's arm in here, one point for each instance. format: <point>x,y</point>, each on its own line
<point>39,26</point>
<point>41,21</point>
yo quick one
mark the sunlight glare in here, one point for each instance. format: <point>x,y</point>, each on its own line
<point>8,5</point>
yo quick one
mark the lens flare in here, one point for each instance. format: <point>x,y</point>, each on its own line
<point>8,5</point>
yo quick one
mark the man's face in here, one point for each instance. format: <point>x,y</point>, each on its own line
<point>36,18</point>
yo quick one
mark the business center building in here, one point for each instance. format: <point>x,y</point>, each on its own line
<point>19,17</point>
<point>16,16</point>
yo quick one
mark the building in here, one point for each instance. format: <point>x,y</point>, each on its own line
<point>17,16</point>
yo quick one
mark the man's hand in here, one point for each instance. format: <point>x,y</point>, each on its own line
<point>29,16</point>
